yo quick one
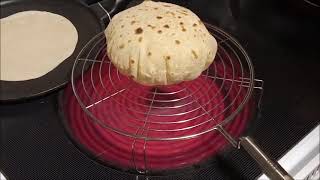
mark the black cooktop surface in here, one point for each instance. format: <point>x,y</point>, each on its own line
<point>284,48</point>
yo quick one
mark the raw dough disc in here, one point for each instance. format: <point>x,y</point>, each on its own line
<point>33,43</point>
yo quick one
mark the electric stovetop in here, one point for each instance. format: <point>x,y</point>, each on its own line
<point>284,49</point>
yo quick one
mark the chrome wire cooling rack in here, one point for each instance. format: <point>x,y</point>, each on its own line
<point>174,112</point>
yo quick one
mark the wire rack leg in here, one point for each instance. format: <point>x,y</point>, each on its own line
<point>145,170</point>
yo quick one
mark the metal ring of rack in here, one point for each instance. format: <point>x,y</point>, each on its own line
<point>185,102</point>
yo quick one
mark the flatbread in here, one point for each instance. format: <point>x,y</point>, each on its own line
<point>158,43</point>
<point>33,43</point>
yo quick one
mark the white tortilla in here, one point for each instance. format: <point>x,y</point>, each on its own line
<point>33,43</point>
<point>159,43</point>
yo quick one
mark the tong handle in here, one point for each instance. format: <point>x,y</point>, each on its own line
<point>119,5</point>
<point>270,167</point>
<point>112,7</point>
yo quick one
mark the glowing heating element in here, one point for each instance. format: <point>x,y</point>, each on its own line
<point>163,112</point>
<point>131,126</point>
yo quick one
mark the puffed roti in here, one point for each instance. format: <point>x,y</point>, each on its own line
<point>157,43</point>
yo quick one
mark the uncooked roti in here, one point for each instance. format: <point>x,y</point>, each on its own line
<point>158,43</point>
<point>33,43</point>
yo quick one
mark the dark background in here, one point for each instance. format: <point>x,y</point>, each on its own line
<point>282,39</point>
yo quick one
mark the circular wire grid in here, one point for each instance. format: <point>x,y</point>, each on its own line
<point>174,112</point>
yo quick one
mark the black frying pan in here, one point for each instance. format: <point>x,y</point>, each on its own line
<point>88,20</point>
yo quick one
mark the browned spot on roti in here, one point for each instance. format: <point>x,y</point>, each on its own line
<point>139,30</point>
<point>122,26</point>
<point>194,54</point>
<point>194,25</point>
<point>183,13</point>
<point>172,13</point>
<point>132,22</point>
<point>184,30</point>
<point>159,17</point>
<point>173,34</point>
<point>121,46</point>
<point>179,17</point>
<point>149,53</point>
<point>166,26</point>
<point>152,27</point>
<point>167,58</point>
<point>131,61</point>
<point>159,31</point>
<point>120,35</point>
<point>129,41</point>
<point>166,5</point>
<point>155,8</point>
<point>181,23</point>
<point>140,39</point>
<point>177,42</point>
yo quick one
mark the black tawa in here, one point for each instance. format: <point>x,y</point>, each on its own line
<point>88,20</point>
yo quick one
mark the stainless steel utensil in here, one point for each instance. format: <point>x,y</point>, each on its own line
<point>243,77</point>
